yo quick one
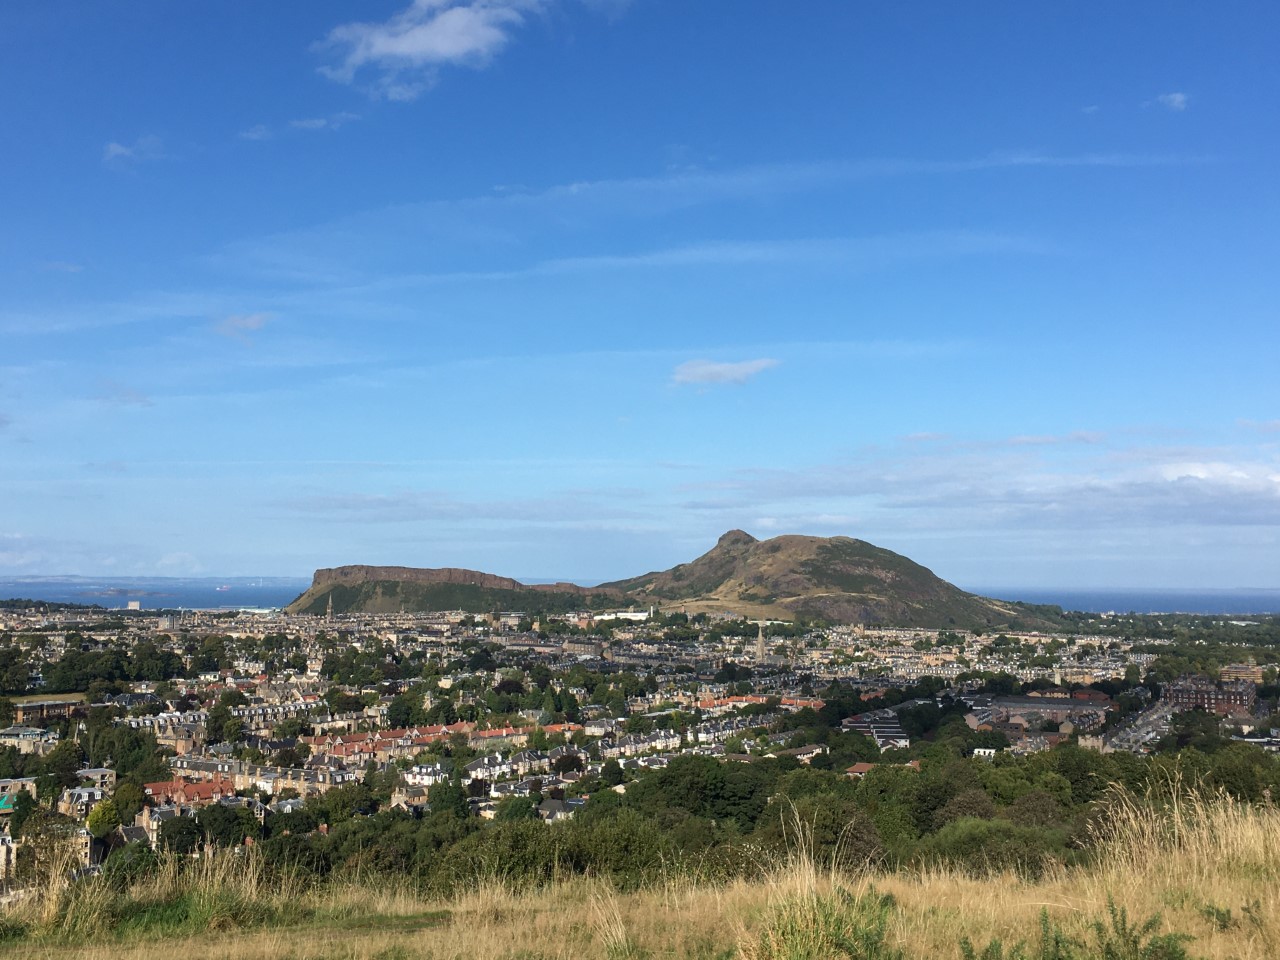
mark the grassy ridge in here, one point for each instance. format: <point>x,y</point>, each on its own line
<point>1199,880</point>
<point>392,596</point>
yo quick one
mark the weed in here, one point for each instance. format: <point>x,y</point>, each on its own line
<point>1121,940</point>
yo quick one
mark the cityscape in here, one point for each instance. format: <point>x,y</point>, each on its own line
<point>640,480</point>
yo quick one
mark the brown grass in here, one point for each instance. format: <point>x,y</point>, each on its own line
<point>1209,866</point>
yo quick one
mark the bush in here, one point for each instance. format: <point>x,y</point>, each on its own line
<point>816,926</point>
<point>992,846</point>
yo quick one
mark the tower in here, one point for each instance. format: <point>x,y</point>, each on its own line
<point>760,654</point>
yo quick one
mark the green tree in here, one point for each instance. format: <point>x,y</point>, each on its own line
<point>129,800</point>
<point>611,774</point>
<point>515,808</point>
<point>24,805</point>
<point>103,818</point>
<point>180,835</point>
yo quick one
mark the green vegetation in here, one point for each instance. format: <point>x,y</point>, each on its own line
<point>389,596</point>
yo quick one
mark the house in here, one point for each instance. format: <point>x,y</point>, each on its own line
<point>804,754</point>
<point>28,740</point>
<point>104,778</point>
<point>78,801</point>
<point>188,793</point>
<point>10,788</point>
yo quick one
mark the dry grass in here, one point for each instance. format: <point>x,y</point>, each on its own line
<point>1209,866</point>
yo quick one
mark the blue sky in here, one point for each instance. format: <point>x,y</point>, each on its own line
<point>567,288</point>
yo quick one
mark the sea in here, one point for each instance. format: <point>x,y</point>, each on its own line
<point>160,593</point>
<point>265,593</point>
<point>1209,602</point>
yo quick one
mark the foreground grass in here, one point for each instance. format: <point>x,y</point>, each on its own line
<point>1207,870</point>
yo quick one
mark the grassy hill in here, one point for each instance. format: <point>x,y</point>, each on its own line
<point>1205,872</point>
<point>836,579</point>
<point>395,596</point>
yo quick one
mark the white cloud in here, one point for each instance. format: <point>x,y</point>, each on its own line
<point>259,131</point>
<point>408,49</point>
<point>1090,109</point>
<point>710,371</point>
<point>1176,102</point>
<point>332,122</point>
<point>61,266</point>
<point>1263,426</point>
<point>238,326</point>
<point>122,395</point>
<point>146,147</point>
<point>1049,439</point>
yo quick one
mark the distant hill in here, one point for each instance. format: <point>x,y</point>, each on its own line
<point>409,589</point>
<point>837,579</point>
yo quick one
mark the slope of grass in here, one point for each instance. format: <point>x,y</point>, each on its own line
<point>1197,881</point>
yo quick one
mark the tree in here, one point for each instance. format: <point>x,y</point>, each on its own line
<point>23,806</point>
<point>59,770</point>
<point>129,800</point>
<point>566,762</point>
<point>227,826</point>
<point>180,835</point>
<point>611,774</point>
<point>515,808</point>
<point>103,818</point>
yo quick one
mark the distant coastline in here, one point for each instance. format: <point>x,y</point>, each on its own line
<point>159,593</point>
<point>227,593</point>
<point>1237,602</point>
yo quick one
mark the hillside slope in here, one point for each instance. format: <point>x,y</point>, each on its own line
<point>837,579</point>
<point>366,589</point>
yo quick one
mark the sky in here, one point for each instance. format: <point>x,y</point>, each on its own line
<point>568,288</point>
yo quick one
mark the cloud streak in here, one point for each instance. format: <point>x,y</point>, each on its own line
<point>239,326</point>
<point>335,121</point>
<point>710,372</point>
<point>146,148</point>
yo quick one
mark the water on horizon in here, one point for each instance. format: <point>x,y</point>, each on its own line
<point>158,593</point>
<point>1139,600</point>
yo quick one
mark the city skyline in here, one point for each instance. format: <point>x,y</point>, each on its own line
<point>571,288</point>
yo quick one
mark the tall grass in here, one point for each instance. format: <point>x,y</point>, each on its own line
<point>1172,863</point>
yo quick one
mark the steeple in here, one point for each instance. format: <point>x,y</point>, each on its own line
<point>760,653</point>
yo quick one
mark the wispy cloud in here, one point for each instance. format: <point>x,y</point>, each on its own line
<point>1262,426</point>
<point>705,372</point>
<point>1177,102</point>
<point>407,506</point>
<point>259,131</point>
<point>5,421</point>
<point>1050,439</point>
<point>145,148</point>
<point>334,121</point>
<point>976,487</point>
<point>238,326</point>
<point>405,52</point>
<point>61,266</point>
<point>114,393</point>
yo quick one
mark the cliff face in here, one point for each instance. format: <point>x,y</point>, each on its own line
<point>369,589</point>
<point>357,574</point>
